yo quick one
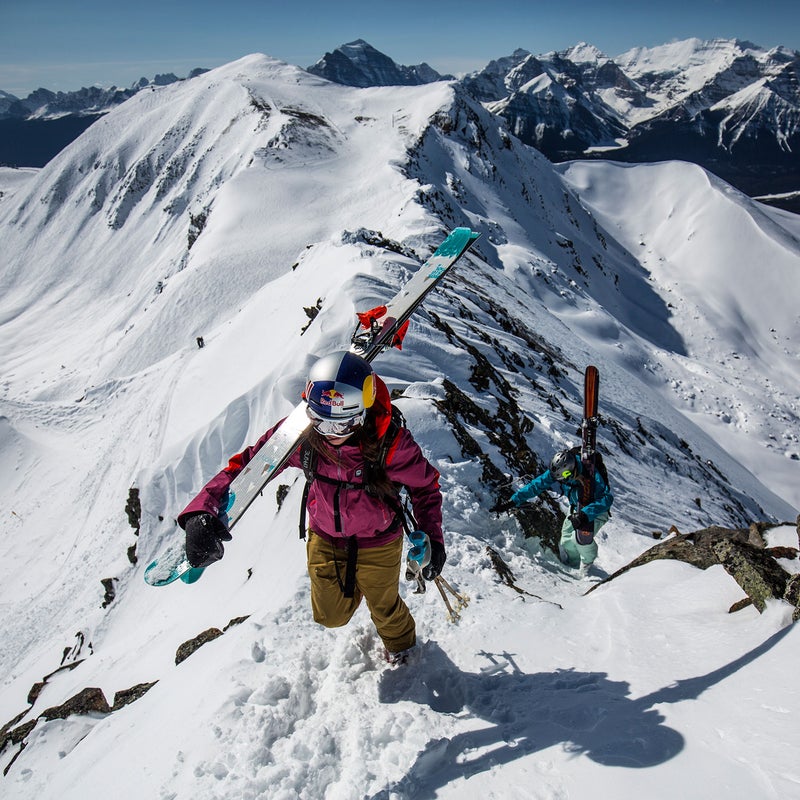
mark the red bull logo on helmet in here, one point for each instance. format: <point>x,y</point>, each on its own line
<point>332,397</point>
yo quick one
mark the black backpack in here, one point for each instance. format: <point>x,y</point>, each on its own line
<point>595,459</point>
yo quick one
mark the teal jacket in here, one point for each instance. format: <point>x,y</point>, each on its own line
<point>601,496</point>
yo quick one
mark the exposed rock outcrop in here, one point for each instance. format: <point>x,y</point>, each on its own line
<point>744,554</point>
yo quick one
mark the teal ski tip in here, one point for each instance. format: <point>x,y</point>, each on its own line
<point>456,243</point>
<point>192,575</point>
<point>157,574</point>
<point>171,565</point>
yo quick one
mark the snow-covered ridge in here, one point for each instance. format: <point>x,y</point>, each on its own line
<point>226,206</point>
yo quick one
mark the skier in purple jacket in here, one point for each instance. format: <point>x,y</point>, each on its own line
<point>355,536</point>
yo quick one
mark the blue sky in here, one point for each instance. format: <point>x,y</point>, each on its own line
<point>64,44</point>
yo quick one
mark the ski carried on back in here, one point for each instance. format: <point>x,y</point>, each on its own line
<point>591,389</point>
<point>377,330</point>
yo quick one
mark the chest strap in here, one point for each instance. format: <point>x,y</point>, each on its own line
<point>308,461</point>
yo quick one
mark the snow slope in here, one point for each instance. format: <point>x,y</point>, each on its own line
<point>281,180</point>
<point>726,277</point>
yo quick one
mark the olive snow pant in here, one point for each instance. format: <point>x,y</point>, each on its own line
<point>575,554</point>
<point>377,579</point>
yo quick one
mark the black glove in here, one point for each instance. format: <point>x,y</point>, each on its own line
<point>580,521</point>
<point>502,506</point>
<point>438,557</point>
<point>205,534</point>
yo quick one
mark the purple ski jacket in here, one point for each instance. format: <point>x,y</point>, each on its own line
<point>368,518</point>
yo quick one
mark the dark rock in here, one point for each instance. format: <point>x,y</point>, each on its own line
<point>757,572</point>
<point>133,509</point>
<point>127,696</point>
<point>281,493</point>
<point>16,735</point>
<point>87,701</point>
<point>190,646</point>
<point>743,554</point>
<point>740,604</point>
<point>110,591</point>
<point>9,734</point>
<point>36,689</point>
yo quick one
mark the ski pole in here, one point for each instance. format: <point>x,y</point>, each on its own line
<point>462,600</point>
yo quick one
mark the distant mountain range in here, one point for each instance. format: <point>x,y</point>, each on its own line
<point>728,105</point>
<point>37,127</point>
<point>44,104</point>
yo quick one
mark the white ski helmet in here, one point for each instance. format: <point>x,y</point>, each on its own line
<point>340,385</point>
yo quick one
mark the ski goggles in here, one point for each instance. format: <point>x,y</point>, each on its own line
<point>334,428</point>
<point>566,474</point>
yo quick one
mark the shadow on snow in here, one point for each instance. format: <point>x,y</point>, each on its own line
<point>586,712</point>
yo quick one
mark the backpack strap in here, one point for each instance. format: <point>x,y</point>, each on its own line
<point>308,460</point>
<point>349,585</point>
<point>389,436</point>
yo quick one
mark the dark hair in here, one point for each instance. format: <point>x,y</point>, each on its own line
<point>376,481</point>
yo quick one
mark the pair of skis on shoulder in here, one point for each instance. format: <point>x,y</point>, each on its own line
<point>591,394</point>
<point>377,330</point>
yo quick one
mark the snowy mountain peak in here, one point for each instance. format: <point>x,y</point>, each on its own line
<point>359,51</point>
<point>584,53</point>
<point>690,56</point>
<point>359,64</point>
